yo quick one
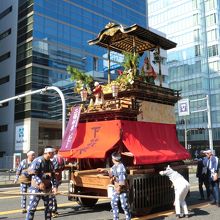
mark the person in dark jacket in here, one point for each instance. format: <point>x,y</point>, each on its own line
<point>213,170</point>
<point>202,175</point>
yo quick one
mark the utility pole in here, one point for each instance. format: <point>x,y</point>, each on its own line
<point>209,123</point>
<point>185,133</point>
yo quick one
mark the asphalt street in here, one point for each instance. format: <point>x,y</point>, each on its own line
<point>10,208</point>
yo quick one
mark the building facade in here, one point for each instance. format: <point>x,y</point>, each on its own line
<point>194,65</point>
<point>8,39</point>
<point>45,37</point>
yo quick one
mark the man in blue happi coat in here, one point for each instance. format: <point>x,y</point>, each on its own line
<point>118,177</point>
<point>43,181</point>
<point>24,178</point>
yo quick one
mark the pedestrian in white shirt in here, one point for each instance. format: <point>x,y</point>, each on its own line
<point>181,187</point>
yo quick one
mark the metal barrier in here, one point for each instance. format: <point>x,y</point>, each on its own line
<point>7,176</point>
<point>6,163</point>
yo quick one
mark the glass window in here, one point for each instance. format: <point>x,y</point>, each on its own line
<point>194,4</point>
<point>195,19</point>
<point>5,56</point>
<point>212,50</point>
<point>211,20</point>
<point>3,128</point>
<point>197,50</point>
<point>4,80</point>
<point>215,83</point>
<point>5,34</point>
<point>210,4</point>
<point>212,35</point>
<point>196,35</point>
<point>5,12</point>
<point>214,66</point>
<point>216,116</point>
<point>215,100</point>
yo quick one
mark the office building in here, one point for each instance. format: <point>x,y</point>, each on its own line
<point>194,65</point>
<point>39,39</point>
<point>8,38</point>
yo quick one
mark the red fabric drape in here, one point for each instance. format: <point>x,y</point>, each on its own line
<point>94,139</point>
<point>150,143</point>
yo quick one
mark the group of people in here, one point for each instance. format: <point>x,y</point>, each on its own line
<point>45,172</point>
<point>41,175</point>
<point>207,174</point>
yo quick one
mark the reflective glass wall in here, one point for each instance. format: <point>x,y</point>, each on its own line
<point>53,34</point>
<point>194,65</point>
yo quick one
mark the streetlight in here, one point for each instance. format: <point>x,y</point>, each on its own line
<point>41,91</point>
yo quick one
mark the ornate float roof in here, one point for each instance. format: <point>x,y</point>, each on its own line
<point>119,38</point>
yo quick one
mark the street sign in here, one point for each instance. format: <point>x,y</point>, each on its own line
<point>183,107</point>
<point>21,138</point>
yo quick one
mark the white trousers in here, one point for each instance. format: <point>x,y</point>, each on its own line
<point>180,194</point>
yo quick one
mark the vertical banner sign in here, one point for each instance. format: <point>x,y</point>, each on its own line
<point>70,133</point>
<point>21,138</point>
<point>183,107</point>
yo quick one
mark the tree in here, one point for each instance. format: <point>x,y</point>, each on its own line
<point>82,80</point>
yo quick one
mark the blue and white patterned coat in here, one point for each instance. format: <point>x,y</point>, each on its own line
<point>118,171</point>
<point>39,169</point>
<point>22,170</point>
<point>38,172</point>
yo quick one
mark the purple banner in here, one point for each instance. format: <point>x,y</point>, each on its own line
<point>70,132</point>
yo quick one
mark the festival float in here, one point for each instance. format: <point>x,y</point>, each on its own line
<point>130,115</point>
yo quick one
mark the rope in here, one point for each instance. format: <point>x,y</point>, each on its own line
<point>53,194</point>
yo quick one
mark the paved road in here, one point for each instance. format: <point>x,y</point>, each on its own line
<point>9,208</point>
